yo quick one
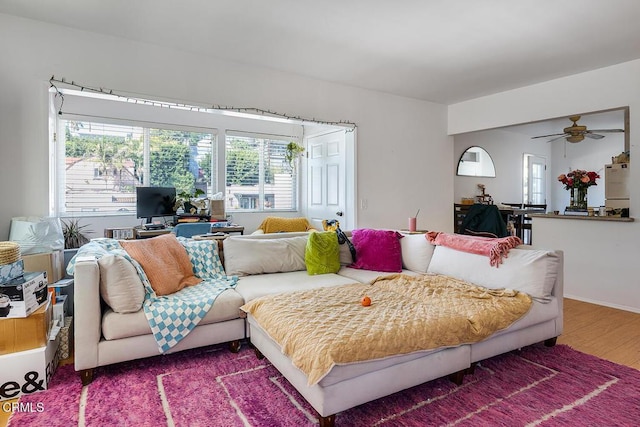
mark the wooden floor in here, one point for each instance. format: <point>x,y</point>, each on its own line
<point>601,331</point>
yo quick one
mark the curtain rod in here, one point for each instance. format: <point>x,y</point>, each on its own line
<point>248,110</point>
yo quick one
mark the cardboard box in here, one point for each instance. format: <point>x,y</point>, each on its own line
<point>51,262</point>
<point>25,295</point>
<point>26,333</point>
<point>66,339</point>
<point>60,308</point>
<point>217,210</point>
<point>28,371</point>
<point>11,271</point>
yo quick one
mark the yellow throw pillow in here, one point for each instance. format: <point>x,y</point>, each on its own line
<point>274,224</point>
<point>164,261</point>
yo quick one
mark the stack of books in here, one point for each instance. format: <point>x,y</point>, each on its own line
<point>192,218</point>
<point>575,211</point>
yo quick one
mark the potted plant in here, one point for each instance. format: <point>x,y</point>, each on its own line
<point>74,233</point>
<point>292,152</point>
<point>74,237</point>
<point>191,203</point>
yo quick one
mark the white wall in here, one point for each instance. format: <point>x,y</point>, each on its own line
<point>507,149</point>
<point>601,259</point>
<point>400,148</point>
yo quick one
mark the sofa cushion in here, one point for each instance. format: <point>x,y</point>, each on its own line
<point>164,261</point>
<point>532,271</point>
<point>322,253</point>
<point>124,325</point>
<point>247,255</point>
<point>416,252</point>
<point>204,257</point>
<point>120,285</point>
<point>252,287</point>
<point>377,250</point>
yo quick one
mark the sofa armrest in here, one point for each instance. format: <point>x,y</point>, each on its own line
<point>87,313</point>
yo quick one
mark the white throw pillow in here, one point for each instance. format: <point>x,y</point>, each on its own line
<point>246,256</point>
<point>527,270</point>
<point>120,285</point>
<point>416,252</point>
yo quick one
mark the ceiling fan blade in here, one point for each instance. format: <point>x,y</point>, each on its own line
<point>593,135</point>
<point>547,136</point>
<point>557,138</point>
<point>606,130</point>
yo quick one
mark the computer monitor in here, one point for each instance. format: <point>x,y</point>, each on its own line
<point>154,202</point>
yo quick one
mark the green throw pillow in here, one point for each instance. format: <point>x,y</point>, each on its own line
<point>322,254</point>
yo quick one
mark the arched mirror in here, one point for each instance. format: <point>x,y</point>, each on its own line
<point>475,161</point>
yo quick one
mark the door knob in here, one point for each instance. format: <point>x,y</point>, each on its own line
<point>339,213</point>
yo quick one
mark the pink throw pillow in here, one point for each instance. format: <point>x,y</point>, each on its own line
<point>377,250</point>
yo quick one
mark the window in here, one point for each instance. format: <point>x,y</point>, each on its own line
<point>257,175</point>
<point>105,162</point>
<point>105,146</point>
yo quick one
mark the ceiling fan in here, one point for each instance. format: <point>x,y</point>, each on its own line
<point>576,132</point>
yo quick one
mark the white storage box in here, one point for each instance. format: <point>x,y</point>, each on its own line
<point>28,371</point>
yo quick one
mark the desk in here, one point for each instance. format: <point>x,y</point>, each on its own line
<point>140,233</point>
<point>229,229</point>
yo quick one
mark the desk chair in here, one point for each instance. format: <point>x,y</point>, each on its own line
<point>191,229</point>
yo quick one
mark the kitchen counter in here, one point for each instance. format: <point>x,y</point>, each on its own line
<point>582,217</point>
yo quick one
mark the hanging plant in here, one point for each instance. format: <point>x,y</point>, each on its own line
<point>293,151</point>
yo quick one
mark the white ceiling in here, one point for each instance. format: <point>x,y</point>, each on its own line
<point>444,51</point>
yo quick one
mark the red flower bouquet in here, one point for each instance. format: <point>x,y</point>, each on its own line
<point>578,179</point>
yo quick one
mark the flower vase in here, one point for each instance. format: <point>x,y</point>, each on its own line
<point>579,198</point>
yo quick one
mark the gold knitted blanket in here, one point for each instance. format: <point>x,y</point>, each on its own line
<point>274,224</point>
<point>323,327</point>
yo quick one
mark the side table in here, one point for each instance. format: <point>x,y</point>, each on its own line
<point>405,231</point>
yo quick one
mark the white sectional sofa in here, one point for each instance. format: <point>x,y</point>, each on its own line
<point>274,263</point>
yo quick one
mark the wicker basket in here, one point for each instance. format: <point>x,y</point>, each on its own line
<point>9,252</point>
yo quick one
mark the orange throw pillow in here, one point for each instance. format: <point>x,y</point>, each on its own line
<point>165,262</point>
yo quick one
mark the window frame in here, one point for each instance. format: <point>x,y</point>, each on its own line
<point>108,109</point>
<point>263,196</point>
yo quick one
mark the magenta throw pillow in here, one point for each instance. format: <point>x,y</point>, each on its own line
<point>377,250</point>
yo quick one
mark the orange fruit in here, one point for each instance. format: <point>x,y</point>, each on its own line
<point>366,301</point>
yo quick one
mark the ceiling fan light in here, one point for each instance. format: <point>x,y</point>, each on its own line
<point>575,138</point>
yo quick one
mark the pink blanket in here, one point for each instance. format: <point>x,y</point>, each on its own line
<point>494,248</point>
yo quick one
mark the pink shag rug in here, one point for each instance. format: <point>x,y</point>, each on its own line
<point>213,387</point>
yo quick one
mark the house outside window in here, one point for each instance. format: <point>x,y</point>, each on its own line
<point>104,163</point>
<point>257,175</point>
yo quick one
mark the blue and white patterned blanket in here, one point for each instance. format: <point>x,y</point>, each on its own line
<point>172,317</point>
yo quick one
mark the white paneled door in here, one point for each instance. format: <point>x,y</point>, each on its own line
<point>326,178</point>
<point>535,179</point>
